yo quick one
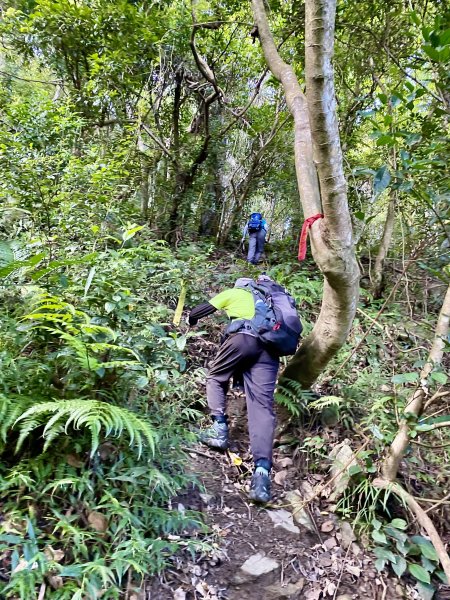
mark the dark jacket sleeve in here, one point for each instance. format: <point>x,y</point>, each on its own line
<point>200,311</point>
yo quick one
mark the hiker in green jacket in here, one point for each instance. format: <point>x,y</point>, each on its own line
<point>245,354</point>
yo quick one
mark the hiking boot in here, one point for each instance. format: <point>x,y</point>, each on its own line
<point>260,486</point>
<point>215,436</point>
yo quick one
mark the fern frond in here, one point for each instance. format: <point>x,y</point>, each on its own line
<point>11,407</point>
<point>93,415</point>
<point>90,329</point>
<point>325,401</point>
<point>293,397</point>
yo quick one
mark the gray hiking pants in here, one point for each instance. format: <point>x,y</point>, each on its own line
<point>243,353</point>
<point>256,246</point>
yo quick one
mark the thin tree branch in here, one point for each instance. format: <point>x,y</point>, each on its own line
<point>435,396</point>
<point>415,405</point>
<point>157,141</point>
<point>392,292</point>
<point>56,83</point>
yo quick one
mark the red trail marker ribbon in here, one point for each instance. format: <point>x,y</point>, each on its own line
<point>304,235</point>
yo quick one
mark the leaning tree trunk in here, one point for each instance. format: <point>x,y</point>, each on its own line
<point>415,405</point>
<point>316,142</point>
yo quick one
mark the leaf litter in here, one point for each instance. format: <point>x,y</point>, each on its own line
<point>317,554</point>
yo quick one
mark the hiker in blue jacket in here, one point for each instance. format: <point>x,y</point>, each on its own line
<point>256,228</point>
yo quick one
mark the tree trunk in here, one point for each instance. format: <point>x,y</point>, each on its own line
<point>144,187</point>
<point>385,244</point>
<point>416,402</point>
<point>315,126</point>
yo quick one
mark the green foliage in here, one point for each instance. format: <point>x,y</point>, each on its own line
<point>97,417</point>
<point>293,397</point>
<point>106,148</point>
<point>95,405</point>
<point>402,551</point>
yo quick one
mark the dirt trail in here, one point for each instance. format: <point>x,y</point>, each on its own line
<point>323,562</point>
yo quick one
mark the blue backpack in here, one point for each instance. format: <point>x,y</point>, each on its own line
<point>276,322</point>
<point>255,222</point>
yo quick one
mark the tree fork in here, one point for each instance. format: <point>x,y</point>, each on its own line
<point>316,142</point>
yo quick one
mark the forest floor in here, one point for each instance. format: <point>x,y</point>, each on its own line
<point>296,547</point>
<point>287,553</point>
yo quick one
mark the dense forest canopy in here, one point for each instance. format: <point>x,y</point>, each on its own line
<point>136,138</point>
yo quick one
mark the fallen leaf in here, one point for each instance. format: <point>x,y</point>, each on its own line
<point>354,570</point>
<point>327,526</point>
<point>206,498</point>
<point>10,526</point>
<point>74,461</point>
<point>280,477</point>
<point>285,462</point>
<point>347,534</point>
<point>179,594</point>
<point>55,581</point>
<point>97,521</point>
<point>313,594</point>
<point>324,560</point>
<point>299,512</point>
<point>106,450</point>
<point>307,490</point>
<point>23,564</point>
<point>330,543</point>
<point>54,554</point>
<point>331,588</point>
<point>277,591</point>
<point>235,459</point>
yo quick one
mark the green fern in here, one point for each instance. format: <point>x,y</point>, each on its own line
<point>326,401</point>
<point>75,328</point>
<point>295,398</point>
<point>11,408</point>
<point>84,351</point>
<point>94,415</point>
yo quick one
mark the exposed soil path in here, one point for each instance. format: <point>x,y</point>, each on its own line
<point>321,562</point>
